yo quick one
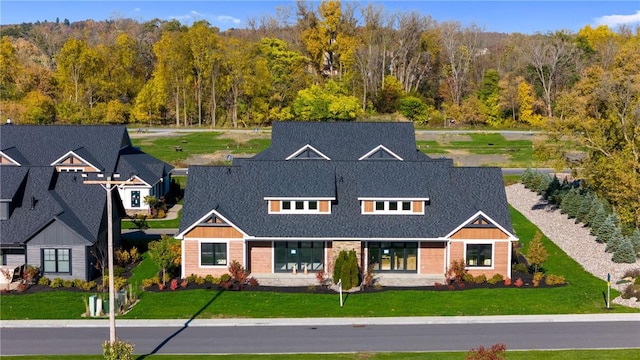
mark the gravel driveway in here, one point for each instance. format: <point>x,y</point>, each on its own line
<point>573,238</point>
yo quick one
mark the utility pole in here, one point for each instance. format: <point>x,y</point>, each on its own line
<point>109,185</point>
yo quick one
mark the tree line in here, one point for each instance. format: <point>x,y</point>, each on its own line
<point>337,61</point>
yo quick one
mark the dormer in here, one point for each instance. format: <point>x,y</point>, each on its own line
<point>308,152</point>
<point>380,153</point>
<point>72,162</point>
<point>299,205</point>
<point>393,206</point>
<point>5,159</point>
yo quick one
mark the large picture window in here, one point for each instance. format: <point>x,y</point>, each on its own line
<point>479,255</point>
<point>56,260</point>
<point>298,254</point>
<point>213,254</point>
<point>393,256</point>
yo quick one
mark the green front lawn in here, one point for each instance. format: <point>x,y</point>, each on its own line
<point>582,295</point>
<point>622,354</point>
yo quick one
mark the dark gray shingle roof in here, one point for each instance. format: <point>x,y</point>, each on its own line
<point>238,193</point>
<point>342,140</point>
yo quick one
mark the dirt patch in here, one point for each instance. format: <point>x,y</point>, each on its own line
<point>463,158</point>
<point>217,158</point>
<point>442,138</point>
<point>244,136</point>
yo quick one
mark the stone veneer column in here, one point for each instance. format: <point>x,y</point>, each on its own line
<point>339,245</point>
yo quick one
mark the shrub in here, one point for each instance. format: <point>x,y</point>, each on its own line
<point>507,282</point>
<point>121,257</point>
<point>192,277</point>
<point>337,266</point>
<point>632,273</point>
<point>320,274</point>
<point>457,270</point>
<point>30,274</point>
<point>253,281</point>
<point>199,280</point>
<point>237,272</point>
<point>467,278</point>
<point>86,285</point>
<point>134,255</point>
<point>56,283</point>
<point>44,281</point>
<point>118,282</point>
<point>119,350</point>
<point>518,282</point>
<point>495,279</point>
<point>480,279</point>
<point>521,268</point>
<point>173,285</point>
<point>147,283</point>
<point>496,352</point>
<point>630,291</point>
<point>537,278</point>
<point>184,283</point>
<point>346,268</point>
<point>369,276</point>
<point>209,278</point>
<point>551,280</point>
<point>225,278</point>
<point>76,282</point>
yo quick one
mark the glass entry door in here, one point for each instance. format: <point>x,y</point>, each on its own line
<point>393,256</point>
<point>298,254</point>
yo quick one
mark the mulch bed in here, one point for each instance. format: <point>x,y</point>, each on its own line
<point>527,282</point>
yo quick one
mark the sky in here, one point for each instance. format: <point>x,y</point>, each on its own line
<point>508,16</point>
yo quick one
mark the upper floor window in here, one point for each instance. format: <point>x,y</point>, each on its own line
<point>393,207</point>
<point>299,206</point>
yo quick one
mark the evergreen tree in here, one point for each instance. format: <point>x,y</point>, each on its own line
<point>552,190</point>
<point>585,207</point>
<point>606,229</point>
<point>624,253</point>
<point>593,209</point>
<point>337,266</point>
<point>526,177</point>
<point>614,240</point>
<point>544,179</point>
<point>574,205</point>
<point>567,199</point>
<point>635,240</point>
<point>598,220</point>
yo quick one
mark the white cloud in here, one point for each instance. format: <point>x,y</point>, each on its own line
<point>615,20</point>
<point>228,19</point>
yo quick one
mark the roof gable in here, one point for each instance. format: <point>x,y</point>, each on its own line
<point>380,153</point>
<point>307,152</point>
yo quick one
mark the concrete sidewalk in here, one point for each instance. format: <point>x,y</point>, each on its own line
<point>419,320</point>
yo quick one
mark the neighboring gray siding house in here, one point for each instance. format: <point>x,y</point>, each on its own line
<point>326,187</point>
<point>48,217</point>
<point>53,221</point>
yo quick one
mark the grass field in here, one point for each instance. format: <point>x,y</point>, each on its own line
<point>622,354</point>
<point>582,295</point>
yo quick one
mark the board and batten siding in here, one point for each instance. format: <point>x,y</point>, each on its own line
<point>501,249</point>
<point>199,234</point>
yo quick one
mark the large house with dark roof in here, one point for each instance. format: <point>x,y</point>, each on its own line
<point>48,216</point>
<point>325,187</point>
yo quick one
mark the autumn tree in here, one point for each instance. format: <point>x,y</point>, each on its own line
<point>536,253</point>
<point>165,253</point>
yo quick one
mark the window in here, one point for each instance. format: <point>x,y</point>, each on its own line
<point>213,254</point>
<point>135,199</point>
<point>300,207</point>
<point>393,256</point>
<point>391,207</point>
<point>298,255</point>
<point>479,255</point>
<point>56,260</point>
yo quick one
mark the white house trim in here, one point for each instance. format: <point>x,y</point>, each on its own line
<point>10,158</point>
<point>208,215</point>
<point>58,161</point>
<point>307,147</point>
<point>480,213</point>
<point>380,147</point>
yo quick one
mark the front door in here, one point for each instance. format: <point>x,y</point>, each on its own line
<point>393,256</point>
<point>135,199</point>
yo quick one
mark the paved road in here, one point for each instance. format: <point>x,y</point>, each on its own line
<point>224,336</point>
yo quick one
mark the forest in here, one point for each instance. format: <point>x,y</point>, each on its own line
<point>338,61</point>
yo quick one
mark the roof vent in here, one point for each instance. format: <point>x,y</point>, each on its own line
<point>8,121</point>
<point>33,203</point>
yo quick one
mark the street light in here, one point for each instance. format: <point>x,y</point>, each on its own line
<point>109,185</point>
